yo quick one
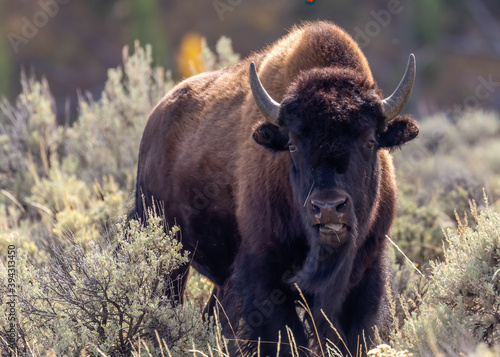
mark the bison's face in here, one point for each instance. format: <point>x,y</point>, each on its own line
<point>334,168</point>
<point>333,123</point>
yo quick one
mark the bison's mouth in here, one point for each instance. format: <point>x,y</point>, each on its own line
<point>332,228</point>
<point>334,234</point>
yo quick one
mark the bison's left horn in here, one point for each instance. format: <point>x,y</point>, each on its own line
<point>394,104</point>
<point>267,105</point>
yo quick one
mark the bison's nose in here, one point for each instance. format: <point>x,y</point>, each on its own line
<point>327,211</point>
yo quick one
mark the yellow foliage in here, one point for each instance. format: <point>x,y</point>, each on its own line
<point>72,223</point>
<point>189,58</point>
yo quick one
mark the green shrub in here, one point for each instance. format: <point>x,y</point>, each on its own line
<point>224,55</point>
<point>417,228</point>
<point>59,180</point>
<point>462,305</point>
<point>105,139</point>
<point>438,174</point>
<point>453,153</point>
<point>487,152</point>
<point>103,298</point>
<point>29,139</point>
<point>71,207</point>
<point>477,126</point>
<point>455,190</point>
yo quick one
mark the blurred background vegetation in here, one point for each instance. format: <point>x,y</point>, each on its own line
<point>455,41</point>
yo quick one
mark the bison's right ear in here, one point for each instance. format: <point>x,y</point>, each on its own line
<point>269,136</point>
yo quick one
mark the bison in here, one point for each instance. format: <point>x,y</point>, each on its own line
<point>278,171</point>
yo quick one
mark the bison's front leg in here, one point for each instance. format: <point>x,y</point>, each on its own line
<point>260,305</point>
<point>366,306</point>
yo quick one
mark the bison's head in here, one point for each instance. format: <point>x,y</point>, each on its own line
<point>334,122</point>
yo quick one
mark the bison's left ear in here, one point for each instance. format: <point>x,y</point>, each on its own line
<point>399,131</point>
<point>269,136</point>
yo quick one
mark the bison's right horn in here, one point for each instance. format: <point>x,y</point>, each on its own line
<point>267,105</point>
<point>394,104</point>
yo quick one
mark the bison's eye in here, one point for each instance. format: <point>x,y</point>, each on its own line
<point>370,144</point>
<point>292,147</point>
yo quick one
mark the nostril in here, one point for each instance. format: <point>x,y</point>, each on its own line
<point>341,205</point>
<point>315,209</point>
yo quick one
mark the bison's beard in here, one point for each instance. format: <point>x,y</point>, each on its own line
<point>325,278</point>
<point>326,267</point>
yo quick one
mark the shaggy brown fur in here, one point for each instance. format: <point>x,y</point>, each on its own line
<point>242,200</point>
